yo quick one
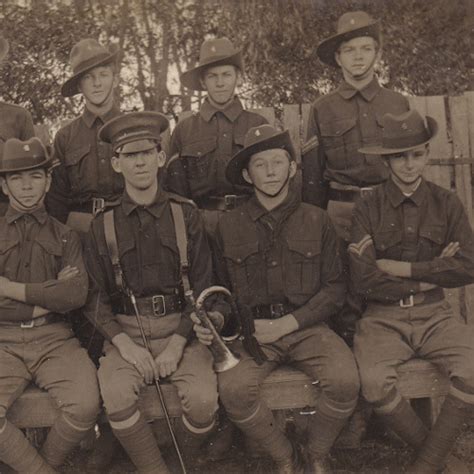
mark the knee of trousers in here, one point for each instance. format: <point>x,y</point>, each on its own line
<point>376,383</point>
<point>238,394</point>
<point>118,391</point>
<point>82,402</point>
<point>341,378</point>
<point>200,404</point>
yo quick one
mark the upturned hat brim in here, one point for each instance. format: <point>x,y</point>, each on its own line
<point>4,48</point>
<point>192,78</point>
<point>70,87</point>
<point>328,47</point>
<point>240,160</point>
<point>432,126</point>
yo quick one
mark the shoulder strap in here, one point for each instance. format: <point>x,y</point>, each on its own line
<point>112,247</point>
<point>182,242</point>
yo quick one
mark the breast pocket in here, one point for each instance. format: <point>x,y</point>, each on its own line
<point>434,237</point>
<point>339,140</point>
<point>387,243</point>
<point>198,157</point>
<point>303,275</point>
<point>53,253</point>
<point>76,164</point>
<point>245,266</point>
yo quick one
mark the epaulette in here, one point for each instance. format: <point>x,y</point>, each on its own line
<point>311,144</point>
<point>181,199</point>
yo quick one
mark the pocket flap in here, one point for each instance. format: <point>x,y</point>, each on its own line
<point>6,245</point>
<point>200,148</point>
<point>240,140</point>
<point>337,128</point>
<point>435,233</point>
<point>51,247</point>
<point>307,248</point>
<point>387,239</point>
<point>239,253</point>
<point>75,156</point>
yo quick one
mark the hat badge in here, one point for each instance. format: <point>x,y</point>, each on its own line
<point>352,21</point>
<point>257,133</point>
<point>26,147</point>
<point>404,126</point>
<point>213,49</point>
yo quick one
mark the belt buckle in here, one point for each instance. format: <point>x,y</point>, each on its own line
<point>157,310</point>
<point>276,310</point>
<point>367,191</point>
<point>407,302</point>
<point>27,324</point>
<point>230,200</point>
<point>98,205</point>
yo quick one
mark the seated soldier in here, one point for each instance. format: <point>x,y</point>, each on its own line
<point>42,276</point>
<point>410,239</point>
<point>279,258</point>
<point>134,247</point>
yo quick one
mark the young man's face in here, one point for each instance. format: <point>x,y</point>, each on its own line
<point>270,171</point>
<point>97,85</point>
<point>27,188</point>
<point>139,169</point>
<point>356,57</point>
<point>220,83</point>
<point>408,166</point>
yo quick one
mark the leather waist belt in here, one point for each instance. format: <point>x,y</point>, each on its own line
<point>424,297</point>
<point>34,323</point>
<point>93,206</point>
<point>222,203</point>
<point>272,311</point>
<point>155,306</point>
<point>348,195</point>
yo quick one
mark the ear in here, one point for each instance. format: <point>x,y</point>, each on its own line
<point>293,168</point>
<point>48,179</point>
<point>201,81</point>
<point>115,162</point>
<point>3,182</point>
<point>246,176</point>
<point>115,82</point>
<point>336,57</point>
<point>161,157</point>
<point>240,78</point>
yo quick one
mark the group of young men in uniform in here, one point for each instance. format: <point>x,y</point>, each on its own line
<point>223,208</point>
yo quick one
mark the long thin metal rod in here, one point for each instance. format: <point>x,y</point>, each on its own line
<point>157,385</point>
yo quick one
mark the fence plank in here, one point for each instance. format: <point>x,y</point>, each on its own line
<point>470,110</point>
<point>305,109</point>
<point>292,122</point>
<point>460,131</point>
<point>266,112</point>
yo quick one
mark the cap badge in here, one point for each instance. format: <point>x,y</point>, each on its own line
<point>352,21</point>
<point>26,147</point>
<point>257,133</point>
<point>404,126</point>
<point>213,49</point>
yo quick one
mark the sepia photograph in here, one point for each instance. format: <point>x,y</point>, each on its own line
<point>236,236</point>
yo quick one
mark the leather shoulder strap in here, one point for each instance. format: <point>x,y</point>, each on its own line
<point>112,247</point>
<point>182,242</point>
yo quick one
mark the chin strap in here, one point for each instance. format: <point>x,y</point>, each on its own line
<point>277,193</point>
<point>22,206</point>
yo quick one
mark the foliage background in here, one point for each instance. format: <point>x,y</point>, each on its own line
<point>427,48</point>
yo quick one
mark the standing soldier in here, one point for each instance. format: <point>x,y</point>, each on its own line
<point>85,182</point>
<point>279,258</point>
<point>335,173</point>
<point>15,122</point>
<point>42,276</point>
<point>410,239</point>
<point>202,145</point>
<point>134,247</point>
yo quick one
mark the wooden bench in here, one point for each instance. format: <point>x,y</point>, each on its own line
<point>284,389</point>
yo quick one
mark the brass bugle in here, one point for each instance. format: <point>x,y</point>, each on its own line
<point>224,358</point>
